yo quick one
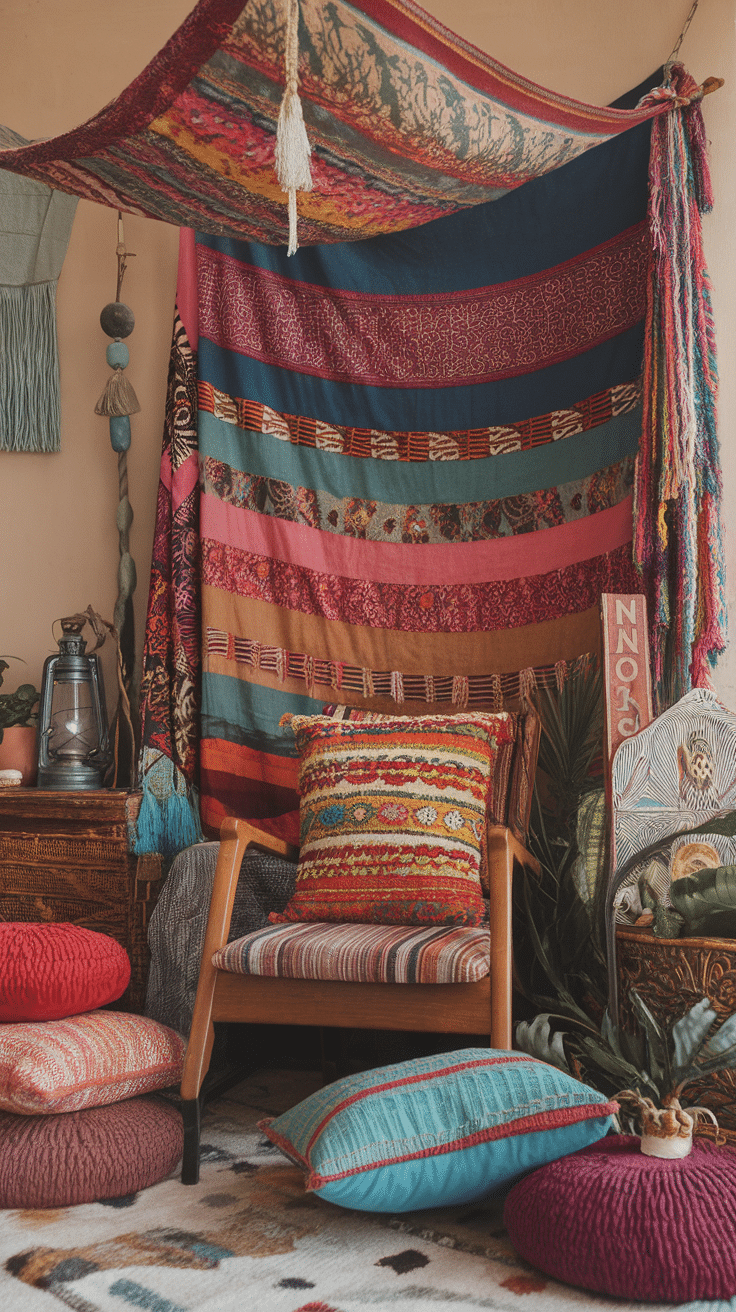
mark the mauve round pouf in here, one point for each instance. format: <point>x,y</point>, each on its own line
<point>79,1157</point>
<point>610,1219</point>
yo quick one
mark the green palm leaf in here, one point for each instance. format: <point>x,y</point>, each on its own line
<point>688,1035</point>
<point>704,895</point>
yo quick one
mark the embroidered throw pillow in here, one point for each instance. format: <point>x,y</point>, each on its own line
<point>392,818</point>
<point>437,1131</point>
<point>52,970</point>
<point>86,1061</point>
<point>500,785</point>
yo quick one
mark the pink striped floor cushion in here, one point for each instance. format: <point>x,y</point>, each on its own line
<point>375,954</point>
<point>85,1061</point>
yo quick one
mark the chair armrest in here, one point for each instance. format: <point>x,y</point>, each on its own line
<point>236,836</point>
<point>232,829</point>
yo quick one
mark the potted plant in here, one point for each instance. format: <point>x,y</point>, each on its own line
<point>18,729</point>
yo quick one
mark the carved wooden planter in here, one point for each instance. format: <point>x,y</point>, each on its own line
<point>671,975</point>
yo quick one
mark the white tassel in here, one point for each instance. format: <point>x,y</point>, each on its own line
<point>292,143</point>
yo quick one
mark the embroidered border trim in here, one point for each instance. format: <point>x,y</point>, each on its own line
<point>487,690</point>
<point>452,339</point>
<point>415,608</point>
<point>460,444</point>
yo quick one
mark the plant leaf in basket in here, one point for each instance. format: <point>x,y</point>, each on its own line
<point>688,1033</point>
<point>537,1038</point>
<point>659,1057</point>
<point>721,1045</point>
<point>707,901</point>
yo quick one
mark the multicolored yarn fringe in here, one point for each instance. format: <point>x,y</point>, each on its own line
<point>677,539</point>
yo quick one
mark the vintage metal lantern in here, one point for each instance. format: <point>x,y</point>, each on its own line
<point>73,749</point>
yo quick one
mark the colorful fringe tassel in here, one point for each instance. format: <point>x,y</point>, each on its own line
<point>677,526</point>
<point>168,820</point>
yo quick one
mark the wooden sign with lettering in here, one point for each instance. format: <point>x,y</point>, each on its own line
<point>627,683</point>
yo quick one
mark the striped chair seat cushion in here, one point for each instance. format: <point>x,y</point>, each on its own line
<point>357,953</point>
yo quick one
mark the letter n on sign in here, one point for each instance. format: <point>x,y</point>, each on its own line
<point>627,684</point>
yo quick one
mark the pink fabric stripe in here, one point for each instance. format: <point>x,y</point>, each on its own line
<point>393,562</point>
<point>181,483</point>
<point>186,286</point>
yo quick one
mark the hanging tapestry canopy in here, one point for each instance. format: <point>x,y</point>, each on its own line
<point>318,374</point>
<point>396,474</point>
<point>407,122</point>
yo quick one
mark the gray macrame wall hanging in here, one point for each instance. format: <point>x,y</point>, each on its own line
<point>35,226</point>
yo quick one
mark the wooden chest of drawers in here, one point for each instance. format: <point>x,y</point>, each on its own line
<point>64,857</point>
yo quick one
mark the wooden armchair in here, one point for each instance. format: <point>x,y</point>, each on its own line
<point>481,1006</point>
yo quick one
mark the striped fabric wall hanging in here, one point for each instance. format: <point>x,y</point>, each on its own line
<point>478,261</point>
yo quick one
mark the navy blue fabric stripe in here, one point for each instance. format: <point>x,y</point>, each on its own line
<point>401,483</point>
<point>545,222</point>
<point>440,409</point>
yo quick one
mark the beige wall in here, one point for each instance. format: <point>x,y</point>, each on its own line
<point>61,62</point>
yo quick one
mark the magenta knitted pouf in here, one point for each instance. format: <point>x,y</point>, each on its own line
<point>610,1219</point>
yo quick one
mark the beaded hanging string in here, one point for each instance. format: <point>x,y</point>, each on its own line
<point>118,402</point>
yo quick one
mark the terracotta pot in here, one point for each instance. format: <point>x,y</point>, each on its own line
<point>19,751</point>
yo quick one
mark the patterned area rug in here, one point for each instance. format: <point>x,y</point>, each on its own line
<point>249,1237</point>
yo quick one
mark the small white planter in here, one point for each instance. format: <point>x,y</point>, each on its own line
<point>665,1131</point>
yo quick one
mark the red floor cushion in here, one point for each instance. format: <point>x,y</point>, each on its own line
<point>48,971</point>
<point>610,1219</point>
<point>79,1157</point>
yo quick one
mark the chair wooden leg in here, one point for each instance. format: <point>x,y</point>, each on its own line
<point>190,1111</point>
<point>500,870</point>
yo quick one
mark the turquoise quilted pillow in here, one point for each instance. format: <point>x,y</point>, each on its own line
<point>438,1130</point>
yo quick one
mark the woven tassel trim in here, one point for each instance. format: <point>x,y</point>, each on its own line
<point>292,151</point>
<point>118,397</point>
<point>460,691</point>
<point>168,820</point>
